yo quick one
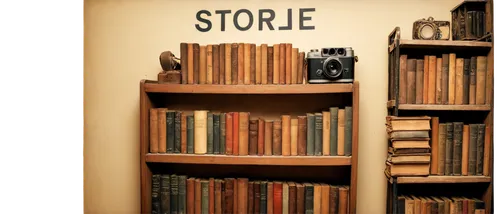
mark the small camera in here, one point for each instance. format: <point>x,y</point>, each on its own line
<point>331,65</point>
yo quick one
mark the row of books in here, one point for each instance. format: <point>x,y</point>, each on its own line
<point>242,63</point>
<point>444,80</point>
<point>173,193</point>
<point>442,205</point>
<point>237,133</point>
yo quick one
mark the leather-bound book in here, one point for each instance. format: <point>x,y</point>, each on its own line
<point>444,78</point>
<point>284,197</point>
<point>190,196</point>
<point>418,204</point>
<point>277,137</point>
<point>276,64</point>
<point>334,118</point>
<point>263,198</point>
<point>434,145</point>
<point>309,198</point>
<point>250,195</point>
<point>419,82</point>
<point>177,128</point>
<point>411,75</point>
<point>459,79</point>
<point>174,194</point>
<point>258,65</point>
<point>210,132</point>
<point>487,151</point>
<point>431,91</point>
<point>263,63</point>
<point>268,138</point>
<point>241,63</point>
<point>205,196</point>
<point>343,199</point>
<point>301,135</point>
<point>153,130</point>
<point>234,63</point>
<point>448,162</point>
<point>294,64</point>
<point>183,132</point>
<point>182,194</point>
<point>325,198</point>
<point>480,149</point>
<point>164,193</point>
<point>318,134</point>
<point>311,126</point>
<point>277,197</point>
<point>282,66</point>
<point>300,68</point>
<point>222,133</point>
<point>402,78</point>
<point>203,65</point>
<point>196,63</point>
<point>170,131</point>
<point>228,72</point>
<point>326,133</point>
<point>301,193</point>
<point>270,64</point>
<point>317,198</point>
<point>481,80</point>
<point>184,62</point>
<point>451,78</point>
<point>288,63</point>
<point>472,80</point>
<point>162,130</point>
<point>348,131</point>
<point>473,134</point>
<point>242,195</point>
<point>222,64</point>
<point>285,135</point>
<point>253,71</point>
<point>341,133</point>
<point>210,65</point>
<point>260,137</point>
<point>246,63</point>
<point>200,131</point>
<point>236,195</point>
<point>425,80</point>
<point>334,200</point>
<point>270,197</point>
<point>190,134</point>
<point>229,133</point>
<point>228,195</point>
<point>190,66</point>
<point>457,147</point>
<point>155,194</point>
<point>465,150</point>
<point>243,138</point>
<point>294,129</point>
<point>216,133</point>
<point>442,148</point>
<point>236,133</point>
<point>254,137</point>
<point>439,76</point>
<point>198,195</point>
<point>218,196</point>
<point>292,197</point>
<point>256,197</point>
<point>466,78</point>
<point>215,64</point>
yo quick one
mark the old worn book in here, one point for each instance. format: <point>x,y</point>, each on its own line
<point>277,197</point>
<point>311,124</point>
<point>211,195</point>
<point>326,133</point>
<point>401,204</point>
<point>410,144</point>
<point>300,198</point>
<point>210,132</point>
<point>174,193</point>
<point>246,63</point>
<point>250,197</point>
<point>270,64</point>
<point>411,78</point>
<point>317,198</point>
<point>447,204</point>
<point>183,134</point>
<point>241,63</point>
<point>197,195</point>
<point>258,65</point>
<point>407,169</point>
<point>252,64</point>
<point>487,150</point>
<point>318,134</point>
<point>268,138</point>
<point>481,80</point>
<point>431,90</point>
<point>348,131</point>
<point>244,134</point>
<point>190,65</point>
<point>284,198</point>
<point>294,128</point>
<point>210,65</point>
<point>263,63</point>
<point>156,194</point>
<point>459,79</point>
<point>417,204</point>
<point>242,195</point>
<point>200,131</point>
<point>222,133</point>
<point>162,130</point>
<point>277,150</point>
<point>196,63</point>
<point>164,193</point>
<point>406,159</point>
<point>216,132</point>
<point>473,134</point>
<point>184,62</point>
<point>177,129</point>
<point>343,199</point>
<point>190,195</point>
<point>334,117</point>
<point>227,64</point>
<point>285,135</point>
<point>402,151</point>
<point>434,145</point>
<point>402,78</point>
<point>292,197</point>
<point>300,68</point>
<point>263,197</point>
<point>341,132</point>
<point>439,76</point>
<point>234,63</point>
<point>472,80</point>
<point>444,78</point>
<point>236,195</point>
<point>228,195</point>
<point>190,133</point>
<point>276,63</point>
<point>325,198</point>
<point>301,135</point>
<point>451,79</point>
<point>420,123</point>
<point>215,64</point>
<point>419,81</point>
<point>288,63</point>
<point>294,64</point>
<point>466,77</point>
<point>256,197</point>
<point>441,148</point>
<point>270,197</point>
<point>182,207</point>
<point>153,130</point>
<point>465,150</point>
<point>448,163</point>
<point>409,204</point>
<point>282,63</point>
<point>334,200</point>
<point>253,135</point>
<point>260,137</point>
<point>170,131</point>
<point>218,196</point>
<point>203,65</point>
<point>480,149</point>
<point>425,79</point>
<point>309,198</point>
<point>416,135</point>
<point>236,133</point>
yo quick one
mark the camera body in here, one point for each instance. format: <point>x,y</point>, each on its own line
<point>331,65</point>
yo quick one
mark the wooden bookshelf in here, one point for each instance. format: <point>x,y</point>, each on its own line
<point>448,44</point>
<point>391,104</point>
<point>443,179</point>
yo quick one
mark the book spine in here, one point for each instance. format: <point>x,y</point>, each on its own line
<point>343,199</point>
<point>292,198</point>
<point>246,63</point>
<point>481,80</point>
<point>425,78</point>
<point>318,134</point>
<point>228,73</point>
<point>444,78</point>
<point>183,133</point>
<point>268,138</point>
<point>282,66</point>
<point>211,195</point>
<point>434,145</point>
<point>264,60</point>
<point>402,78</point>
<point>276,64</point>
<point>228,195</point>
<point>300,68</point>
<point>411,75</point>
<point>334,118</point>
<point>441,148</point>
<point>197,196</point>
<point>256,197</point>
<point>261,137</point>
<point>325,198</point>
<point>301,135</point>
<point>241,63</point>
<point>165,194</point>
<point>222,133</point>
<point>317,198</point>
<point>174,194</point>
<point>277,137</point>
<point>234,64</point>
<point>277,197</point>
<point>205,197</point>
<point>334,199</point>
<point>190,134</point>
<point>236,133</point>
<point>236,196</point>
<point>162,130</point>
<point>229,133</point>
<point>309,199</point>
<point>311,121</point>
<point>294,64</point>
<point>254,138</point>
<point>284,197</point>
<point>285,135</point>
<point>250,197</point>
<point>155,194</point>
<point>177,130</point>
<point>419,81</point>
<point>473,129</point>
<point>171,132</point>
<point>288,63</point>
<point>242,195</point>
<point>200,132</point>
<point>218,196</point>
<point>182,195</point>
<point>439,75</point>
<point>301,199</point>
<point>215,64</point>
<point>244,125</point>
<point>210,65</point>
<point>465,83</point>
<point>457,147</point>
<point>270,64</point>
<point>253,71</point>
<point>153,131</point>
<point>210,133</point>
<point>190,198</point>
<point>480,149</point>
<point>222,64</point>
<point>459,80</point>
<point>448,168</point>
<point>348,131</point>
<point>341,133</point>
<point>451,78</point>
<point>431,92</point>
<point>258,65</point>
<point>270,197</point>
<point>472,81</point>
<point>487,151</point>
<point>216,133</point>
<point>326,133</point>
<point>465,150</point>
<point>203,65</point>
<point>263,198</point>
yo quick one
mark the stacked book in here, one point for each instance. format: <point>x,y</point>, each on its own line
<point>444,205</point>
<point>409,153</point>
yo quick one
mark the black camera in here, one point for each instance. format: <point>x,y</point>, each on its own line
<point>331,65</point>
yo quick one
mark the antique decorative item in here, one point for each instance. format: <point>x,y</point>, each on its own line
<point>331,65</point>
<point>430,29</point>
<point>171,68</point>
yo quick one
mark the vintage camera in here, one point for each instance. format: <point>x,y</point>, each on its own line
<point>431,30</point>
<point>331,65</point>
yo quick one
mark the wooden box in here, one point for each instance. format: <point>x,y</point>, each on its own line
<point>469,20</point>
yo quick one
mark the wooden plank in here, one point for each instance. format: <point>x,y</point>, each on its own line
<point>145,105</point>
<point>250,89</point>
<point>444,44</point>
<point>250,160</point>
<point>445,107</point>
<point>443,179</point>
<point>355,138</point>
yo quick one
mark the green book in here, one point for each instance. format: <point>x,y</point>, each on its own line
<point>174,194</point>
<point>155,194</point>
<point>216,131</point>
<point>481,128</point>
<point>318,134</point>
<point>448,161</point>
<point>457,147</point>
<point>263,197</point>
<point>473,130</point>
<point>334,121</point>
<point>310,134</point>
<point>309,198</point>
<point>177,148</point>
<point>182,194</point>
<point>190,134</point>
<point>348,131</point>
<point>170,131</point>
<point>210,133</point>
<point>165,194</point>
<point>222,134</point>
<point>204,197</point>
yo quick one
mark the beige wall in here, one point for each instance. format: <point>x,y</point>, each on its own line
<point>123,39</point>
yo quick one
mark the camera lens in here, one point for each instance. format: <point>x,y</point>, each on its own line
<point>341,51</point>
<point>332,68</point>
<point>332,51</point>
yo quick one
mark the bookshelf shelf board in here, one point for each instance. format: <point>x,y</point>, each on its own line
<point>443,179</point>
<point>250,160</point>
<point>434,107</point>
<point>444,44</point>
<point>153,87</point>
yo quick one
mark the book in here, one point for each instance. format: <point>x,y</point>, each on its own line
<point>253,136</point>
<point>444,78</point>
<point>333,130</point>
<point>228,72</point>
<point>325,198</point>
<point>263,197</point>
<point>465,150</point>
<point>270,64</point>
<point>300,198</point>
<point>242,195</point>
<point>261,136</point>
<point>288,63</point>
<point>210,69</point>
<point>434,145</point>
<point>420,80</point>
<point>174,194</point>
<point>442,148</point>
<point>218,196</point>
<point>411,75</point>
<point>431,91</point>
<point>284,197</point>
<point>236,196</point>
<point>182,206</point>
<point>285,135</point>
<point>481,80</point>
<point>190,198</point>
<point>334,199</point>
<point>164,193</point>
<point>205,196</point>
<point>153,130</point>
<point>210,132</point>
<point>292,197</point>
<point>405,159</point>
<point>294,128</point>
<point>197,195</point>
<point>234,63</point>
<point>215,64</point>
<point>311,124</point>
<point>473,134</point>
<point>282,66</point>
<point>459,80</point>
<point>343,199</point>
<point>487,150</point>
<point>317,198</point>
<point>200,131</point>
<point>348,131</point>
<point>243,132</point>
<point>264,60</point>
<point>309,198</point>
<point>466,77</point>
<point>216,132</point>
<point>326,133</point>
<point>268,138</point>
<point>228,195</point>
<point>408,135</point>
<point>318,134</point>
<point>341,132</point>
<point>222,133</point>
<point>294,64</point>
<point>411,169</point>
<point>190,65</point>
<point>276,64</point>
<point>170,131</point>
<point>300,68</point>
<point>183,135</point>
<point>241,63</point>
<point>402,78</point>
<point>480,148</point>
<point>277,197</point>
<point>246,63</point>
<point>250,201</point>
<point>448,164</point>
<point>439,76</point>
<point>277,150</point>
<point>184,62</point>
<point>196,63</point>
<point>451,78</point>
<point>472,80</point>
<point>252,64</point>
<point>177,129</point>
<point>425,79</point>
<point>301,135</point>
<point>162,130</point>
<point>236,133</point>
<point>155,194</point>
<point>270,197</point>
<point>256,197</point>
<point>258,64</point>
<point>395,123</point>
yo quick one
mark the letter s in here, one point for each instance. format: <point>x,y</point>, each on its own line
<point>206,21</point>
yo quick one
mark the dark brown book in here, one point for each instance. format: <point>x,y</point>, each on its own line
<point>292,197</point>
<point>246,63</point>
<point>153,130</point>
<point>302,135</point>
<point>162,130</point>
<point>441,148</point>
<point>465,150</point>
<point>234,64</point>
<point>215,64</point>
<point>184,63</point>
<point>334,200</point>
<point>285,135</point>
<point>183,132</point>
<point>211,196</point>
<point>444,78</point>
<point>288,63</point>
<point>223,198</point>
<point>196,63</point>
<point>459,79</point>
<point>277,137</point>
<point>261,137</point>
<point>425,79</point>
<point>256,197</point>
<point>457,147</point>
<point>434,145</point>
<point>448,162</point>
<point>218,196</point>
<point>411,75</point>
<point>250,198</point>
<point>277,197</point>
<point>472,81</point>
<point>466,77</point>
<point>241,63</point>
<point>203,65</point>
<point>300,199</point>
<point>229,133</point>
<point>268,138</point>
<point>419,82</point>
<point>282,66</point>
<point>402,78</point>
<point>264,66</point>
<point>481,80</point>
<point>295,55</point>
<point>253,135</point>
<point>197,196</point>
<point>452,78</point>
<point>236,133</point>
<point>270,197</point>
<point>480,148</point>
<point>235,196</point>
<point>228,195</point>
<point>270,64</point>
<point>487,151</point>
<point>222,63</point>
<point>300,68</point>
<point>242,195</point>
<point>190,198</point>
<point>253,72</point>
<point>276,64</point>
<point>244,120</point>
<point>431,91</point>
<point>228,64</point>
<point>258,65</point>
<point>473,134</point>
<point>439,76</point>
<point>190,70</point>
<point>210,64</point>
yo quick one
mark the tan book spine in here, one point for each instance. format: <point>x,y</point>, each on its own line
<point>340,132</point>
<point>276,63</point>
<point>302,135</point>
<point>184,62</point>
<point>270,64</point>
<point>227,61</point>
<point>282,66</point>
<point>439,69</point>
<point>263,64</point>
<point>459,80</point>
<point>325,198</point>
<point>162,130</point>
<point>241,63</point>
<point>411,75</point>
<point>489,79</point>
<point>234,64</point>
<point>402,78</point>
<point>215,64</point>
<point>270,197</point>
<point>285,198</point>
<point>317,198</point>
<point>487,150</point>
<point>183,133</point>
<point>434,145</point>
<point>222,64</point>
<point>253,72</point>
<point>431,91</point>
<point>244,118</point>
<point>465,150</point>
<point>326,133</point>
<point>210,69</point>
<point>288,63</point>
<point>190,66</point>
<point>268,138</point>
<point>277,145</point>
<point>451,79</point>
<point>262,137</point>
<point>425,86</point>
<point>246,63</point>
<point>200,132</point>
<point>294,64</point>
<point>258,64</point>
<point>197,195</point>
<point>294,136</point>
<point>300,68</point>
<point>343,199</point>
<point>419,81</point>
<point>481,80</point>
<point>242,195</point>
<point>203,64</point>
<point>196,63</point>
<point>285,135</point>
<point>153,130</point>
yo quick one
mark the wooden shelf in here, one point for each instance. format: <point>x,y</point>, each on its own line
<point>390,104</point>
<point>250,160</point>
<point>154,87</point>
<point>407,43</point>
<point>443,179</point>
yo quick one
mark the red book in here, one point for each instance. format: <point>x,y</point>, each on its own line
<point>229,133</point>
<point>277,196</point>
<point>260,133</point>
<point>236,132</point>
<point>190,195</point>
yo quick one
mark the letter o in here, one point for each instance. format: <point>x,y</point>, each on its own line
<point>250,19</point>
